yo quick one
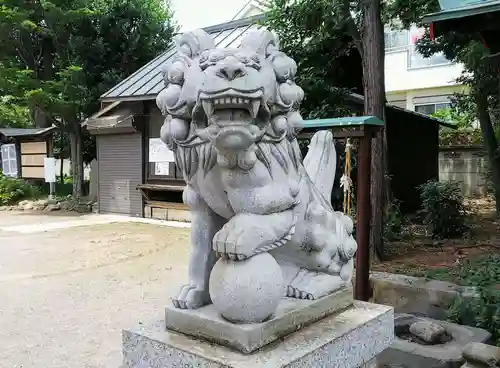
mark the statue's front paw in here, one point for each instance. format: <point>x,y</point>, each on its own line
<point>190,297</point>
<point>246,234</point>
<point>235,242</point>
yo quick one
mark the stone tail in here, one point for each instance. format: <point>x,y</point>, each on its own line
<point>321,162</point>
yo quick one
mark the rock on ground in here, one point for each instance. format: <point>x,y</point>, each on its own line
<point>427,331</point>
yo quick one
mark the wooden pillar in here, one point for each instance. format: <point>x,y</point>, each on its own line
<point>363,216</point>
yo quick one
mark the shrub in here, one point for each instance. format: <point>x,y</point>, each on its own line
<point>13,190</point>
<point>393,221</point>
<point>443,209</point>
<point>484,310</point>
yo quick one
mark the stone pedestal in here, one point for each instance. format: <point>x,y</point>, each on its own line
<point>447,353</point>
<point>350,338</point>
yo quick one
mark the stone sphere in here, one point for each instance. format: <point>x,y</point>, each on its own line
<point>247,291</point>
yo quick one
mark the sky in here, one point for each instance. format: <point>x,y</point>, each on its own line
<point>192,14</point>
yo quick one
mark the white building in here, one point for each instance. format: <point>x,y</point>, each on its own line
<point>414,82</point>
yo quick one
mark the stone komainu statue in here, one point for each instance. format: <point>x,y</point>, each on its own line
<point>231,117</point>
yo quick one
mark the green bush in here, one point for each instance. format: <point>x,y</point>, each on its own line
<point>13,190</point>
<point>483,311</point>
<point>393,221</point>
<point>443,209</point>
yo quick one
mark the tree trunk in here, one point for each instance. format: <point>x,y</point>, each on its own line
<point>490,143</point>
<point>374,91</point>
<point>76,159</point>
<point>40,118</point>
<point>61,170</point>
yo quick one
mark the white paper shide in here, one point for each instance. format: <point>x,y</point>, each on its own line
<point>159,152</point>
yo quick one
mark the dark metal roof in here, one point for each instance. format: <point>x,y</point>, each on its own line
<point>463,8</point>
<point>360,100</point>
<point>25,132</point>
<point>147,82</point>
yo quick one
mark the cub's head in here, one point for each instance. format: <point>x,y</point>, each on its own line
<point>232,97</point>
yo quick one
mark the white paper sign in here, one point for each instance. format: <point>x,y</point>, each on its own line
<point>159,152</point>
<point>49,166</point>
<point>8,160</point>
<point>162,168</point>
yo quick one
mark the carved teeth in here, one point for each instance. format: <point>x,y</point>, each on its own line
<point>253,105</point>
<point>255,108</point>
<point>208,107</point>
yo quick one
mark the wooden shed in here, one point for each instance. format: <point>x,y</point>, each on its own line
<point>23,151</point>
<point>137,175</point>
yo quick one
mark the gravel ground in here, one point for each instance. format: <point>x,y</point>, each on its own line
<point>67,294</point>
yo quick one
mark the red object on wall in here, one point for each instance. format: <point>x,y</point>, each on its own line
<point>484,42</point>
<point>416,35</point>
<point>431,31</point>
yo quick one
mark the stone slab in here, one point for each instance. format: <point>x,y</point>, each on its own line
<point>414,355</point>
<point>348,339</point>
<point>415,295</point>
<point>291,315</point>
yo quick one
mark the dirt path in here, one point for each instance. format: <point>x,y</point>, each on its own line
<point>67,294</point>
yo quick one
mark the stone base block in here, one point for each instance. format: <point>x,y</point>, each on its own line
<point>411,354</point>
<point>351,338</point>
<point>291,315</point>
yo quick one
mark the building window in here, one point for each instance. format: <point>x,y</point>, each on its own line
<point>9,160</point>
<point>160,167</point>
<point>417,60</point>
<point>429,109</point>
<point>395,39</point>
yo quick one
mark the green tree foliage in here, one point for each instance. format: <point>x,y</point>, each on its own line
<point>323,38</point>
<point>462,115</point>
<point>13,83</point>
<point>58,57</point>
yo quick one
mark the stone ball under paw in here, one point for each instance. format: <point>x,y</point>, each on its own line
<point>247,291</point>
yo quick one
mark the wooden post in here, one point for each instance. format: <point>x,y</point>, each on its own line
<point>363,216</point>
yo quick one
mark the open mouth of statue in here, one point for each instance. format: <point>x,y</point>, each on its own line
<point>231,107</point>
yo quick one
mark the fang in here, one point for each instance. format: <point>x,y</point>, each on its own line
<point>255,108</point>
<point>208,107</point>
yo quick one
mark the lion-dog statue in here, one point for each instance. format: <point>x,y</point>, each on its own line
<point>231,118</point>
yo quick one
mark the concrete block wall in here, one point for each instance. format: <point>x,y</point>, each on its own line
<point>466,165</point>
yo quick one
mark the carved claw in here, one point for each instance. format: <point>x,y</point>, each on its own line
<point>313,285</point>
<point>297,294</point>
<point>231,256</point>
<point>190,298</point>
<point>246,235</point>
